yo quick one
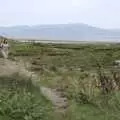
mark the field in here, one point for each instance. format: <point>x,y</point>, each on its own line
<point>85,74</point>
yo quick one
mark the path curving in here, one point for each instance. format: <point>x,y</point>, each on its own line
<point>8,67</point>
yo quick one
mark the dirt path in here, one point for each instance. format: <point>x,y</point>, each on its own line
<point>55,97</point>
<point>8,67</point>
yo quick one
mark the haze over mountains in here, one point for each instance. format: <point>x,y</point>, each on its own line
<point>78,32</point>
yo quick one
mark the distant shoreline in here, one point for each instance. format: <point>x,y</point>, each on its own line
<point>27,40</point>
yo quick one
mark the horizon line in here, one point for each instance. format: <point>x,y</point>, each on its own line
<point>49,24</point>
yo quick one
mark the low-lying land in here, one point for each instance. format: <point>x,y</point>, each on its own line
<point>84,73</point>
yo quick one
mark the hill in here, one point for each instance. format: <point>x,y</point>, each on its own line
<point>61,32</point>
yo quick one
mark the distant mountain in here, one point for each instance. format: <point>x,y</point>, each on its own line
<point>61,32</point>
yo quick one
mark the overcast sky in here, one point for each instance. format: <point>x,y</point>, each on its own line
<point>100,13</point>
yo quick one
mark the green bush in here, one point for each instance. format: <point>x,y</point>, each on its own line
<point>22,105</point>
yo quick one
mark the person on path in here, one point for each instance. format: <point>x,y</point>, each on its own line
<point>4,48</point>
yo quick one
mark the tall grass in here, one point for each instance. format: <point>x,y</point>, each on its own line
<point>19,101</point>
<point>73,70</point>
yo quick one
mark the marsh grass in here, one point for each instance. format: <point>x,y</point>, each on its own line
<point>73,69</point>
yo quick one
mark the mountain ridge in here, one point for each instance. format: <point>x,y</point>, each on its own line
<point>61,32</point>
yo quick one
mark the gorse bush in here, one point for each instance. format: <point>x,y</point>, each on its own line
<point>20,100</point>
<point>22,105</point>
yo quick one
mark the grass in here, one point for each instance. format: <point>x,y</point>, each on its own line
<point>21,101</point>
<point>74,70</point>
<point>89,112</point>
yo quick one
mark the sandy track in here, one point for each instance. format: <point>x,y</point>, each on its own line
<point>8,67</point>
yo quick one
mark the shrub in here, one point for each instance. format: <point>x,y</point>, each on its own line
<point>22,105</point>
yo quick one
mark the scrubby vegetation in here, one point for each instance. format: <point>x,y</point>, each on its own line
<point>20,101</point>
<point>85,74</point>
